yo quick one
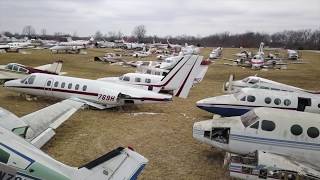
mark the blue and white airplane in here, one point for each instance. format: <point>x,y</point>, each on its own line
<point>282,143</point>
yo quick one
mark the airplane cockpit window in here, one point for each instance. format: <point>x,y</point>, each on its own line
<point>245,80</point>
<point>255,125</point>
<point>126,78</point>
<point>24,70</point>
<point>24,80</point>
<point>137,79</point>
<point>15,68</point>
<point>31,79</point>
<point>4,156</point>
<point>267,125</point>
<point>120,78</point>
<point>243,98</point>
<point>253,81</point>
<point>249,118</point>
<point>9,66</point>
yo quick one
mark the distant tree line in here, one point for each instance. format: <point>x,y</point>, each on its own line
<point>298,39</point>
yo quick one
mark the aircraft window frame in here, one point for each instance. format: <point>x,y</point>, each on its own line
<point>120,78</point>
<point>277,101</point>
<point>126,78</point>
<point>49,83</point>
<point>84,88</point>
<point>63,84</point>
<point>23,70</point>
<point>253,81</point>
<point>296,130</point>
<point>148,71</point>
<point>287,102</point>
<point>157,73</point>
<point>76,87</point>
<point>245,80</point>
<point>267,125</point>
<point>9,66</point>
<point>70,86</point>
<point>255,125</point>
<point>56,84</point>
<point>243,98</point>
<point>251,98</point>
<point>319,105</point>
<point>31,79</point>
<point>147,80</point>
<point>315,130</point>
<point>15,68</point>
<point>24,80</point>
<point>249,118</point>
<point>137,79</point>
<point>267,100</point>
<point>5,156</point>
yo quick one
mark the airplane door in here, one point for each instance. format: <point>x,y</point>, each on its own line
<point>48,87</point>
<point>302,103</point>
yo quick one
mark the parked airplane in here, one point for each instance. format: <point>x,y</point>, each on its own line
<point>15,46</point>
<point>248,98</point>
<point>183,74</point>
<point>21,159</point>
<point>292,54</point>
<point>233,86</point>
<point>284,143</point>
<point>18,71</point>
<point>95,93</point>
<point>258,60</point>
<point>71,46</point>
<point>216,53</point>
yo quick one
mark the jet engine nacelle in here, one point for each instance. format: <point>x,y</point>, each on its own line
<point>108,96</point>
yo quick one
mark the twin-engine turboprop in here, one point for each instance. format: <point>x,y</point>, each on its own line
<point>20,158</point>
<point>248,98</point>
<point>18,71</point>
<point>94,93</point>
<point>284,143</point>
<point>183,74</point>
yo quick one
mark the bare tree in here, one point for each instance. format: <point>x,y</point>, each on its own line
<point>43,32</point>
<point>28,31</point>
<point>139,32</point>
<point>98,35</point>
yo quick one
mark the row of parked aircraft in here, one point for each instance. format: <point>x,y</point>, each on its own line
<point>269,130</point>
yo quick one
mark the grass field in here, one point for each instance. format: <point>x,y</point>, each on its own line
<point>165,139</point>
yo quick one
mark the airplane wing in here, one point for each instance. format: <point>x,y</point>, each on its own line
<point>41,124</point>
<point>276,162</point>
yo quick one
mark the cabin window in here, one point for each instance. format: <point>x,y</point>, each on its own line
<point>148,80</point>
<point>126,78</point>
<point>263,87</point>
<point>157,73</point>
<point>31,79</point>
<point>243,98</point>
<point>268,125</point>
<point>251,98</point>
<point>77,87</point>
<point>120,78</point>
<point>277,101</point>
<point>63,85</point>
<point>148,71</point>
<point>56,84</point>
<point>137,79</point>
<point>267,100</point>
<point>287,102</point>
<point>9,66</point>
<point>69,85</point>
<point>4,156</point>
<point>255,125</point>
<point>313,132</point>
<point>15,68</point>
<point>49,83</point>
<point>296,130</point>
<point>84,88</point>
<point>23,70</point>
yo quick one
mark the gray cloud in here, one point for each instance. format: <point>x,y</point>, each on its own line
<point>166,17</point>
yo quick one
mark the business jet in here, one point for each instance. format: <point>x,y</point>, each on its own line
<point>282,144</point>
<point>71,46</point>
<point>18,71</point>
<point>233,86</point>
<point>186,69</point>
<point>216,53</point>
<point>248,98</point>
<point>95,93</point>
<point>21,158</point>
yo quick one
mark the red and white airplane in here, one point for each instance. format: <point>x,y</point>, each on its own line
<point>18,71</point>
<point>99,94</point>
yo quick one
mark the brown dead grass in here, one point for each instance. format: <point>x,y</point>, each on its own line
<point>165,139</point>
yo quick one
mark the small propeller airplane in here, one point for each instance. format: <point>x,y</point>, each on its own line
<point>216,53</point>
<point>187,70</point>
<point>71,46</point>
<point>21,158</point>
<point>18,71</point>
<point>248,98</point>
<point>281,144</point>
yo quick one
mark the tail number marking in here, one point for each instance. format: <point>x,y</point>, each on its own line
<point>105,97</point>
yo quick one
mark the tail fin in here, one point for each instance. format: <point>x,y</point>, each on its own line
<point>121,163</point>
<point>181,77</point>
<point>55,67</point>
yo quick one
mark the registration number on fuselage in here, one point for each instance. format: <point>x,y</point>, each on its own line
<point>104,97</point>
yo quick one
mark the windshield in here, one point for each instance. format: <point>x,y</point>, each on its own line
<point>249,118</point>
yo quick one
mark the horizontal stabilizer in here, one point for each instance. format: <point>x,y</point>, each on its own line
<point>121,163</point>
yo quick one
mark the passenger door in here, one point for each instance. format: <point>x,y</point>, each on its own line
<point>303,103</point>
<point>48,87</point>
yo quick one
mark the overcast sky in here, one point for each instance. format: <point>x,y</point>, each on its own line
<point>161,17</point>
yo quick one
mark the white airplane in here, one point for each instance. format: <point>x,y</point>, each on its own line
<point>183,73</point>
<point>292,54</point>
<point>284,143</point>
<point>142,53</point>
<point>21,158</point>
<point>257,60</point>
<point>190,49</point>
<point>95,93</point>
<point>233,86</point>
<point>248,98</point>
<point>15,46</point>
<point>18,71</point>
<point>71,46</point>
<point>216,53</point>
